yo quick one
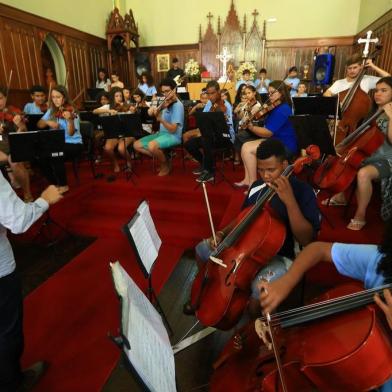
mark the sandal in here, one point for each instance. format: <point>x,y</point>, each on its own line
<point>356,224</point>
<point>333,202</point>
<point>241,185</point>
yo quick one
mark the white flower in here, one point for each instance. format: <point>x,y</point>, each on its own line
<point>246,65</point>
<point>192,68</point>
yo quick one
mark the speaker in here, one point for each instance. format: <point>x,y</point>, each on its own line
<point>142,63</point>
<point>323,69</point>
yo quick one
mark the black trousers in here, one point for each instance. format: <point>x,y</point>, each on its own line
<point>11,332</point>
<point>207,145</point>
<point>54,168</point>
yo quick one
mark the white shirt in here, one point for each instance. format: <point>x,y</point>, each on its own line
<point>368,82</point>
<point>17,216</point>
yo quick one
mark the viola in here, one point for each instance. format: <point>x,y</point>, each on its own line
<point>339,343</point>
<point>221,289</point>
<point>257,115</point>
<point>338,172</point>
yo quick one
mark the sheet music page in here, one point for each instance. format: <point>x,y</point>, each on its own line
<point>144,212</point>
<point>144,244</point>
<point>151,354</point>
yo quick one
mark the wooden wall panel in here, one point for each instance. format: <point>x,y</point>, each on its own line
<point>21,38</point>
<point>382,28</point>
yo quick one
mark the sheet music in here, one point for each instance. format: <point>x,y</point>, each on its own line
<point>145,236</point>
<point>150,354</point>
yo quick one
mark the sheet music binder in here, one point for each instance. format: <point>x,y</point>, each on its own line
<point>145,244</point>
<point>212,121</point>
<point>121,125</point>
<point>32,120</point>
<point>143,338</point>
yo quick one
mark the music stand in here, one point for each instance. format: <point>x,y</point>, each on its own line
<point>316,105</point>
<point>32,120</point>
<point>213,125</point>
<point>121,126</point>
<point>145,241</point>
<point>93,93</point>
<point>34,146</point>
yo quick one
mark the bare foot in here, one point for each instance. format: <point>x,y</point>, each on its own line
<point>116,169</point>
<point>165,170</point>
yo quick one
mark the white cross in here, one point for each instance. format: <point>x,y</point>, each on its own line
<point>224,58</point>
<point>367,42</point>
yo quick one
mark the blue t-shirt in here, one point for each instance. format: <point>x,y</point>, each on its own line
<point>229,117</point>
<point>307,202</point>
<point>147,90</point>
<point>264,88</point>
<point>294,85</point>
<point>278,123</point>
<point>359,261</point>
<point>76,138</point>
<point>248,83</point>
<point>32,108</point>
<point>174,114</point>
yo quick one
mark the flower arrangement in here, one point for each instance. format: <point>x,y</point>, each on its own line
<point>192,68</point>
<point>246,65</point>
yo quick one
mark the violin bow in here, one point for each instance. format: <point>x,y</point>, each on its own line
<point>209,213</point>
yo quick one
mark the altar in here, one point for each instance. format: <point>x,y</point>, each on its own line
<point>194,89</point>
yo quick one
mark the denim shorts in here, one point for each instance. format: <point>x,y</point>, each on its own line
<point>276,267</point>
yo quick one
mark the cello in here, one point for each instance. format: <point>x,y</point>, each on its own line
<point>337,344</point>
<point>337,173</point>
<point>355,103</point>
<point>221,289</point>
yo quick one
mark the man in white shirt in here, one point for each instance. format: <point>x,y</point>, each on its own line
<point>17,216</point>
<point>353,69</point>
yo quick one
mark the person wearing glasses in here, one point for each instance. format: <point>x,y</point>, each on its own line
<point>275,124</point>
<point>171,119</point>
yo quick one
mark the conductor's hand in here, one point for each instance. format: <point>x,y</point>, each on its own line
<point>51,194</point>
<point>273,293</point>
<point>219,237</point>
<point>284,190</point>
<point>386,306</point>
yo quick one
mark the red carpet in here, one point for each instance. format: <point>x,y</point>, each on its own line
<point>68,317</point>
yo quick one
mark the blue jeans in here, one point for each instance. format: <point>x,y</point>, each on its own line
<point>276,267</point>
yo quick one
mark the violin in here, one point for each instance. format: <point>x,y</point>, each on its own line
<point>43,107</point>
<point>221,290</point>
<point>258,114</point>
<point>338,172</point>
<point>66,108</point>
<point>337,343</point>
<point>9,112</point>
<point>218,106</point>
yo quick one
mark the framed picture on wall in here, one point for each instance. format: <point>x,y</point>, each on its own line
<point>163,62</point>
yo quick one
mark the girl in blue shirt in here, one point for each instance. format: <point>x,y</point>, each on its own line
<point>61,115</point>
<point>276,125</point>
<point>147,85</point>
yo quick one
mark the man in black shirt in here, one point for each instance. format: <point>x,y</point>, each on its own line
<point>175,70</point>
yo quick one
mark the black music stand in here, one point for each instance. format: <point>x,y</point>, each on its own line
<point>213,126</point>
<point>121,126</point>
<point>34,146</point>
<point>32,120</point>
<point>143,237</point>
<point>316,105</point>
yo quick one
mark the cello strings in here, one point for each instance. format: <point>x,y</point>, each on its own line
<point>336,303</point>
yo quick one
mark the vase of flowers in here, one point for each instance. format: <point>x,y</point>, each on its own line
<point>249,66</point>
<point>192,70</point>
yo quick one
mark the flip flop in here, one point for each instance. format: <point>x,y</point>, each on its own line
<point>241,185</point>
<point>333,202</point>
<point>356,224</point>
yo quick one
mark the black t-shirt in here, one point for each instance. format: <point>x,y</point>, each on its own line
<point>307,203</point>
<point>172,73</point>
